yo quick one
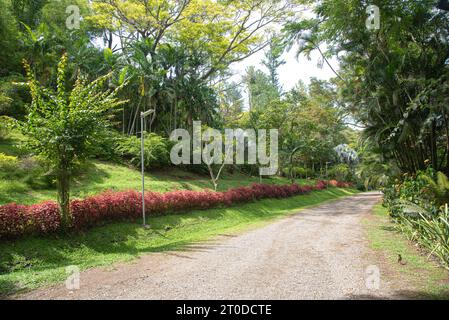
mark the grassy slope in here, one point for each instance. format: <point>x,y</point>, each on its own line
<point>427,279</point>
<point>101,176</point>
<point>33,262</point>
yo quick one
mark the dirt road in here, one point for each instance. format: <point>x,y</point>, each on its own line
<point>318,253</point>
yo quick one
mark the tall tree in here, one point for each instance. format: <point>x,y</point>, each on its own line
<point>273,60</point>
<point>386,75</point>
<point>206,35</point>
<point>231,102</point>
<point>261,90</point>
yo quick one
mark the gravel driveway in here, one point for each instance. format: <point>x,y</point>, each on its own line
<point>318,253</point>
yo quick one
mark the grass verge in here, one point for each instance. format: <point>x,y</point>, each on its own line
<point>33,262</point>
<point>98,176</point>
<point>426,279</point>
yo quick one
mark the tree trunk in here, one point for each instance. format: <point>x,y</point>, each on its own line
<point>64,196</point>
<point>446,127</point>
<point>433,145</point>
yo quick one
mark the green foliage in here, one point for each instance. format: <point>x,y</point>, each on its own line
<point>418,205</point>
<point>231,103</point>
<point>374,171</point>
<point>107,149</point>
<point>28,170</point>
<point>27,11</point>
<point>340,172</point>
<point>156,155</point>
<point>394,80</point>
<point>62,125</point>
<point>429,229</point>
<point>273,59</point>
<point>421,189</point>
<point>13,96</point>
<point>437,190</point>
<point>262,92</point>
<point>8,163</point>
<point>4,128</point>
<point>9,36</point>
<point>298,172</point>
<point>409,189</point>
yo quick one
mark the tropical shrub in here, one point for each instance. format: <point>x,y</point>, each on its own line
<point>62,125</point>
<point>299,172</point>
<point>340,172</point>
<point>17,220</point>
<point>437,190</point>
<point>4,128</point>
<point>418,206</point>
<point>429,229</point>
<point>156,155</point>
<point>13,97</point>
<point>107,149</point>
<point>410,189</point>
<point>8,163</point>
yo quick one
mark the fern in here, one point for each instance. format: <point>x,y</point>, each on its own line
<point>439,189</point>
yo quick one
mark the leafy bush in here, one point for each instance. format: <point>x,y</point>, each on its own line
<point>8,163</point>
<point>340,172</point>
<point>410,189</point>
<point>13,97</point>
<point>4,128</point>
<point>430,230</point>
<point>300,172</point>
<point>17,220</point>
<point>107,148</point>
<point>437,191</point>
<point>417,205</point>
<point>157,153</point>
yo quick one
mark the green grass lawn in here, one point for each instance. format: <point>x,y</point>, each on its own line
<point>33,262</point>
<point>428,279</point>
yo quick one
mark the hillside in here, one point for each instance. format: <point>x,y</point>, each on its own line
<point>99,176</point>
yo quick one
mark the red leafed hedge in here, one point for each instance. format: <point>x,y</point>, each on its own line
<point>16,220</point>
<point>339,184</point>
<point>44,218</point>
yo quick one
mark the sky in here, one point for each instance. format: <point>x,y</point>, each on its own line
<point>294,69</point>
<point>290,73</point>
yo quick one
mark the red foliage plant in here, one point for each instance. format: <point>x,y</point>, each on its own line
<point>43,218</point>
